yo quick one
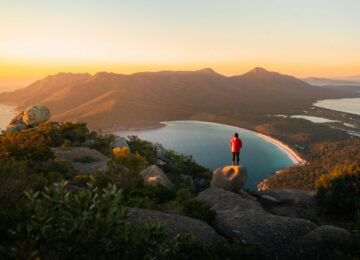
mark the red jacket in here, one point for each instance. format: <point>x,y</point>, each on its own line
<point>235,144</point>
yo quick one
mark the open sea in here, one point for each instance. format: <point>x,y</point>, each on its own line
<point>208,143</point>
<point>6,114</point>
<point>348,105</point>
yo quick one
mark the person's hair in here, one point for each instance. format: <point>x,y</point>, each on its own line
<point>236,135</point>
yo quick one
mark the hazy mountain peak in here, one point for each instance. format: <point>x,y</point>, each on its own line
<point>67,75</point>
<point>259,70</point>
<point>207,70</point>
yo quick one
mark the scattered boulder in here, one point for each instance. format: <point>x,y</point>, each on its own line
<point>175,224</point>
<point>231,178</point>
<point>119,142</point>
<point>87,161</point>
<point>314,245</point>
<point>161,153</point>
<point>34,115</point>
<point>291,203</point>
<point>240,217</point>
<point>29,118</point>
<point>153,175</point>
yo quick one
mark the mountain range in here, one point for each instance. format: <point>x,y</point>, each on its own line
<point>325,81</point>
<point>142,100</point>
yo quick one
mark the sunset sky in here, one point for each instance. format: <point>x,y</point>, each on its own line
<point>301,38</point>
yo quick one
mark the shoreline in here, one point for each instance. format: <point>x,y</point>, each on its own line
<point>292,155</point>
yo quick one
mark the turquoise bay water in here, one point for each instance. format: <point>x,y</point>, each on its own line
<point>208,143</point>
<point>347,105</point>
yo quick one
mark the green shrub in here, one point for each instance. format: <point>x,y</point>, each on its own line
<point>187,205</point>
<point>198,209</point>
<point>144,148</point>
<point>150,196</point>
<point>102,144</point>
<point>62,224</point>
<point>339,191</point>
<point>102,179</point>
<point>183,164</point>
<point>126,167</point>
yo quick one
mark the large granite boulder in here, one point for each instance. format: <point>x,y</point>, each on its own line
<point>34,115</point>
<point>154,175</point>
<point>30,117</point>
<point>291,203</point>
<point>315,245</point>
<point>241,217</point>
<point>231,178</point>
<point>87,161</point>
<point>175,224</point>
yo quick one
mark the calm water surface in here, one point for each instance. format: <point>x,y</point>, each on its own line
<point>348,105</point>
<point>208,143</point>
<point>6,114</point>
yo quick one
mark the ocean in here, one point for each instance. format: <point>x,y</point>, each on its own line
<point>348,105</point>
<point>6,114</point>
<point>208,143</point>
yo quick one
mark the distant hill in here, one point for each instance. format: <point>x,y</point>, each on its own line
<point>324,81</point>
<point>140,100</point>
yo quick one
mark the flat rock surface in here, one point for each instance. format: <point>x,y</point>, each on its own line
<point>291,203</point>
<point>175,224</point>
<point>76,154</point>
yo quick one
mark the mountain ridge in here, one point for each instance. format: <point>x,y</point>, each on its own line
<point>144,99</point>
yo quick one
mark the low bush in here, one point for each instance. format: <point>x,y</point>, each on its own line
<point>144,148</point>
<point>186,204</point>
<point>92,224</point>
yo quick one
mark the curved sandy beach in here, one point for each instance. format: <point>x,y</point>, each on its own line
<point>294,157</point>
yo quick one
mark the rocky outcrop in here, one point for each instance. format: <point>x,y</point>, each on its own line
<point>161,154</point>
<point>153,175</point>
<point>315,245</point>
<point>87,161</point>
<point>231,178</point>
<point>34,115</point>
<point>291,203</point>
<point>30,117</point>
<point>175,224</point>
<point>241,217</point>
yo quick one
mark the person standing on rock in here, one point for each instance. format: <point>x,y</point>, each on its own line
<point>235,145</point>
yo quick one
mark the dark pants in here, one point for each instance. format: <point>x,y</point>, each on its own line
<point>237,158</point>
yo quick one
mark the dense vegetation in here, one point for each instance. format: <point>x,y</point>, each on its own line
<point>48,211</point>
<point>339,191</point>
<point>322,159</point>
